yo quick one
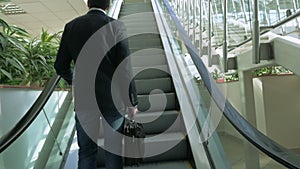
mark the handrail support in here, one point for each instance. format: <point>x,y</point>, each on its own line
<point>209,33</point>
<point>225,36</point>
<point>255,34</point>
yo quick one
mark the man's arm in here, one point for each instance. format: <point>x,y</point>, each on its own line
<point>63,60</point>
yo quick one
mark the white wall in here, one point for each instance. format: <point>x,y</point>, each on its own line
<point>259,105</point>
<point>282,109</point>
<point>233,94</point>
<point>277,102</point>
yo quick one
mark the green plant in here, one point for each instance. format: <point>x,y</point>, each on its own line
<point>232,77</point>
<point>24,60</point>
<point>40,57</point>
<point>12,53</point>
<point>271,70</point>
<point>215,74</point>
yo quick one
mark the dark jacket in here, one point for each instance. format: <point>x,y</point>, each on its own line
<point>76,33</point>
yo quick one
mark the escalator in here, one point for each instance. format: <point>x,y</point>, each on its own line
<point>154,86</point>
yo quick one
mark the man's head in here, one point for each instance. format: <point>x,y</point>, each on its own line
<point>103,4</point>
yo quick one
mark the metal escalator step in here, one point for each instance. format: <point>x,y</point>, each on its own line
<point>147,60</point>
<point>180,164</point>
<point>138,17</point>
<point>135,9</point>
<point>134,49</point>
<point>158,142</point>
<point>161,141</point>
<point>144,42</point>
<point>159,122</point>
<point>145,86</point>
<point>136,2</point>
<point>150,52</point>
<point>158,102</point>
<point>151,72</point>
<point>140,24</point>
<point>132,21</point>
<point>163,165</point>
<point>145,36</point>
<point>140,30</point>
<point>124,14</point>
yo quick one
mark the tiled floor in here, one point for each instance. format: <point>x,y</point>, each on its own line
<point>234,149</point>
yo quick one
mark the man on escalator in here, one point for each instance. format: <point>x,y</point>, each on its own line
<point>75,38</point>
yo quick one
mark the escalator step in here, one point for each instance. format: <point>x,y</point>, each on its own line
<point>138,17</point>
<point>145,86</point>
<point>158,110</point>
<point>134,49</point>
<point>151,72</point>
<point>138,59</point>
<point>162,165</point>
<point>176,142</point>
<point>157,102</point>
<point>158,122</point>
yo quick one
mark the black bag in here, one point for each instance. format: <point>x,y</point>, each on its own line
<point>134,142</point>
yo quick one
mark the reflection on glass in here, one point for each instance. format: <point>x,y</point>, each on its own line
<point>240,153</point>
<point>23,153</point>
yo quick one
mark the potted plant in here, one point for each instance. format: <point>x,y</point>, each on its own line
<point>26,61</point>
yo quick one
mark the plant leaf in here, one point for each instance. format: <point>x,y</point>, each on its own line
<point>14,63</point>
<point>4,24</point>
<point>17,44</point>
<point>19,31</point>
<point>7,74</point>
<point>20,64</point>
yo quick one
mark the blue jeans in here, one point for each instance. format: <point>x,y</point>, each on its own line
<point>88,149</point>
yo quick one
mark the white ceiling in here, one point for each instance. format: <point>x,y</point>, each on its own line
<point>48,14</point>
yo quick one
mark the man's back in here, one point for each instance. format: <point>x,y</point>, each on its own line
<point>98,44</point>
<point>113,41</point>
<point>79,30</point>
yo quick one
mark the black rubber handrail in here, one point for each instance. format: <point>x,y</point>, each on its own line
<point>277,152</point>
<point>245,41</point>
<point>265,29</point>
<point>284,21</point>
<point>30,115</point>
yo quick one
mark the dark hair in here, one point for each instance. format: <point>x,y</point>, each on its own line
<point>103,4</point>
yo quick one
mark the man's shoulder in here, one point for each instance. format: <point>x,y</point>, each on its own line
<point>86,18</point>
<point>82,17</point>
<point>116,22</point>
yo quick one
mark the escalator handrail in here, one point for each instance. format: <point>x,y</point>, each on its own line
<point>259,140</point>
<point>232,47</point>
<point>265,29</point>
<point>8,138</point>
<point>284,21</point>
